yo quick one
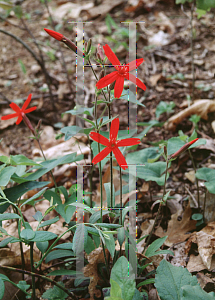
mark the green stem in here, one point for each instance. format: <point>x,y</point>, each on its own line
<point>120,178</point>
<point>32,269</point>
<point>160,205</point>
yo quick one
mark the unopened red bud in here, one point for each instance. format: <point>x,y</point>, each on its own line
<point>60,37</point>
<point>184,148</point>
<point>100,53</point>
<point>165,150</point>
<point>100,122</point>
<point>56,35</point>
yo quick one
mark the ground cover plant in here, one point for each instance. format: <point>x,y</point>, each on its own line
<point>78,238</point>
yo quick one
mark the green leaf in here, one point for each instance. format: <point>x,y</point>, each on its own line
<point>48,165</point>
<point>89,245</point>
<point>169,276</point>
<point>15,192</point>
<point>8,240</point>
<point>119,273</point>
<point>153,172</point>
<point>42,246</point>
<point>174,144</point>
<point>163,107</point>
<point>37,195</point>
<point>27,234</point>
<point>42,236</point>
<point>205,4</point>
<point>151,250</point>
<point>55,293</point>
<point>142,156</point>
<point>59,254</point>
<point>97,215</point>
<point>107,186</point>
<point>78,242</point>
<point>196,292</point>
<point>110,243</point>
<point>208,175</point>
<point>70,131</point>
<point>115,291</point>
<point>6,5</point>
<point>6,174</point>
<point>22,285</point>
<point>22,160</point>
<point>81,110</point>
<point>38,216</point>
<point>121,235</point>
<point>2,288</point>
<point>147,281</point>
<point>65,246</point>
<point>9,216</point>
<point>49,222</point>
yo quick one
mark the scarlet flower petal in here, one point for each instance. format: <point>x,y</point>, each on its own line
<point>11,116</point>
<point>25,105</point>
<point>15,107</point>
<point>114,129</point>
<point>135,63</point>
<point>120,158</point>
<point>30,109</point>
<point>136,81</point>
<point>108,79</point>
<point>101,155</point>
<point>19,120</point>
<point>56,35</point>
<point>118,88</point>
<point>99,138</point>
<point>128,142</point>
<point>111,56</point>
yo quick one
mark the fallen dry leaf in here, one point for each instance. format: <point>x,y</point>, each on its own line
<point>90,270</point>
<point>205,247</point>
<point>200,107</point>
<point>177,230</point>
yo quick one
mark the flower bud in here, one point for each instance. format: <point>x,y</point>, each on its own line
<point>88,46</point>
<point>102,74</point>
<point>100,53</point>
<point>183,148</point>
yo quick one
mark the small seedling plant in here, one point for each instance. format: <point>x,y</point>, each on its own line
<point>97,238</point>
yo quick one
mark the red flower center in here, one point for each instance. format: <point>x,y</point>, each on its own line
<point>122,70</point>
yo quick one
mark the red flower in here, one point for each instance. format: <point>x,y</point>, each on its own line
<point>19,112</point>
<point>183,148</point>
<point>112,144</point>
<point>56,35</point>
<point>121,73</point>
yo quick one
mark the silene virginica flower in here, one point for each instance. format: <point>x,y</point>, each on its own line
<point>112,144</point>
<point>21,113</point>
<point>121,73</point>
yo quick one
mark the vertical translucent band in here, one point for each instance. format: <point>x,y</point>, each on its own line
<point>132,106</point>
<point>79,77</point>
<point>79,218</point>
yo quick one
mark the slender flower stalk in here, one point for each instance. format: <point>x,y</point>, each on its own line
<point>113,145</point>
<point>60,37</point>
<point>121,73</point>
